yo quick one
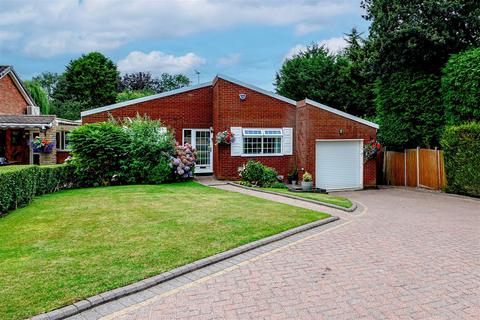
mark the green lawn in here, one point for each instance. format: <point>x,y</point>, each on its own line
<point>339,201</point>
<point>76,243</point>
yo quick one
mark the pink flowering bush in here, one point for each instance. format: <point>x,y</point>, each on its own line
<point>183,162</point>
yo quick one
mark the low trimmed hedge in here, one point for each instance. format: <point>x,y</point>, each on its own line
<point>20,184</point>
<point>461,145</point>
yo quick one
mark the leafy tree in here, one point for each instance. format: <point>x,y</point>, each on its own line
<point>409,109</point>
<point>69,109</point>
<point>168,82</point>
<point>144,81</point>
<point>461,87</point>
<point>341,81</point>
<point>137,81</point>
<point>310,74</point>
<point>420,35</point>
<point>357,76</point>
<point>129,95</point>
<point>48,81</point>
<point>38,95</point>
<point>90,80</point>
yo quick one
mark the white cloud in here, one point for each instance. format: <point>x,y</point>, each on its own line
<point>334,45</point>
<point>304,28</point>
<point>230,59</point>
<point>73,26</point>
<point>295,50</point>
<point>158,62</point>
<point>9,36</point>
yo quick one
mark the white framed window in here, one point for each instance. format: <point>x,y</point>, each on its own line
<point>62,140</point>
<point>262,141</point>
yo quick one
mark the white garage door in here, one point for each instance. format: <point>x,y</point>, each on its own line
<point>339,164</point>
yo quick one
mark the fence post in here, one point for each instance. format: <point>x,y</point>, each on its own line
<point>385,154</point>
<point>418,167</point>
<point>438,168</point>
<point>405,166</point>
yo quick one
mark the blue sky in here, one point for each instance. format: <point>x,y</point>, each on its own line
<point>247,39</point>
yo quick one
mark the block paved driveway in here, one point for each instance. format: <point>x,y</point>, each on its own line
<point>411,255</point>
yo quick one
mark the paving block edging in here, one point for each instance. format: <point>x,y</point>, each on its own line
<point>334,206</point>
<point>107,296</point>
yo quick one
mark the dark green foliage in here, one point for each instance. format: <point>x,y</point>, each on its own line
<point>99,152</point>
<point>461,87</point>
<point>168,82</point>
<point>38,95</point>
<point>278,185</point>
<point>91,80</point>
<point>48,81</point>
<point>410,110</point>
<point>149,151</point>
<point>341,81</point>
<point>135,151</point>
<point>69,109</point>
<point>310,74</point>
<point>461,145</point>
<point>258,174</point>
<point>20,184</point>
<point>420,35</point>
<point>144,81</point>
<point>130,95</point>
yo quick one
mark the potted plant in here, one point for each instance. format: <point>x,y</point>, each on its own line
<point>307,181</point>
<point>225,137</point>
<point>293,176</point>
<point>41,145</point>
<point>370,150</point>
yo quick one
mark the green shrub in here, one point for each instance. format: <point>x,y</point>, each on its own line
<point>409,109</point>
<point>20,184</point>
<point>149,151</point>
<point>278,185</point>
<point>461,145</point>
<point>136,151</point>
<point>461,87</point>
<point>99,152</point>
<point>258,174</point>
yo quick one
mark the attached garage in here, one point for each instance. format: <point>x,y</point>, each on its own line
<point>339,164</point>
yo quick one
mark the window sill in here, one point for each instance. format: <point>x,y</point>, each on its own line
<point>262,155</point>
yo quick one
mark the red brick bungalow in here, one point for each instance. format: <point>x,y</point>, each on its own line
<point>270,128</point>
<point>21,121</point>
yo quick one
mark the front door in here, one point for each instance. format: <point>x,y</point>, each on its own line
<point>201,140</point>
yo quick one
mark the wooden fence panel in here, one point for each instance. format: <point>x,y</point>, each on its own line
<point>394,168</point>
<point>411,167</point>
<point>415,168</point>
<point>429,171</point>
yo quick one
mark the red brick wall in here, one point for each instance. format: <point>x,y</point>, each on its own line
<point>256,111</point>
<point>315,123</point>
<point>11,100</point>
<point>191,109</point>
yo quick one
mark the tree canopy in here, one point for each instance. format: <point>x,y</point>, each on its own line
<point>420,35</point>
<point>38,95</point>
<point>144,81</point>
<point>91,80</point>
<point>339,80</point>
<point>461,87</point>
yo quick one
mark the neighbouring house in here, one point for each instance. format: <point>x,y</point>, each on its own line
<point>21,122</point>
<point>277,131</point>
